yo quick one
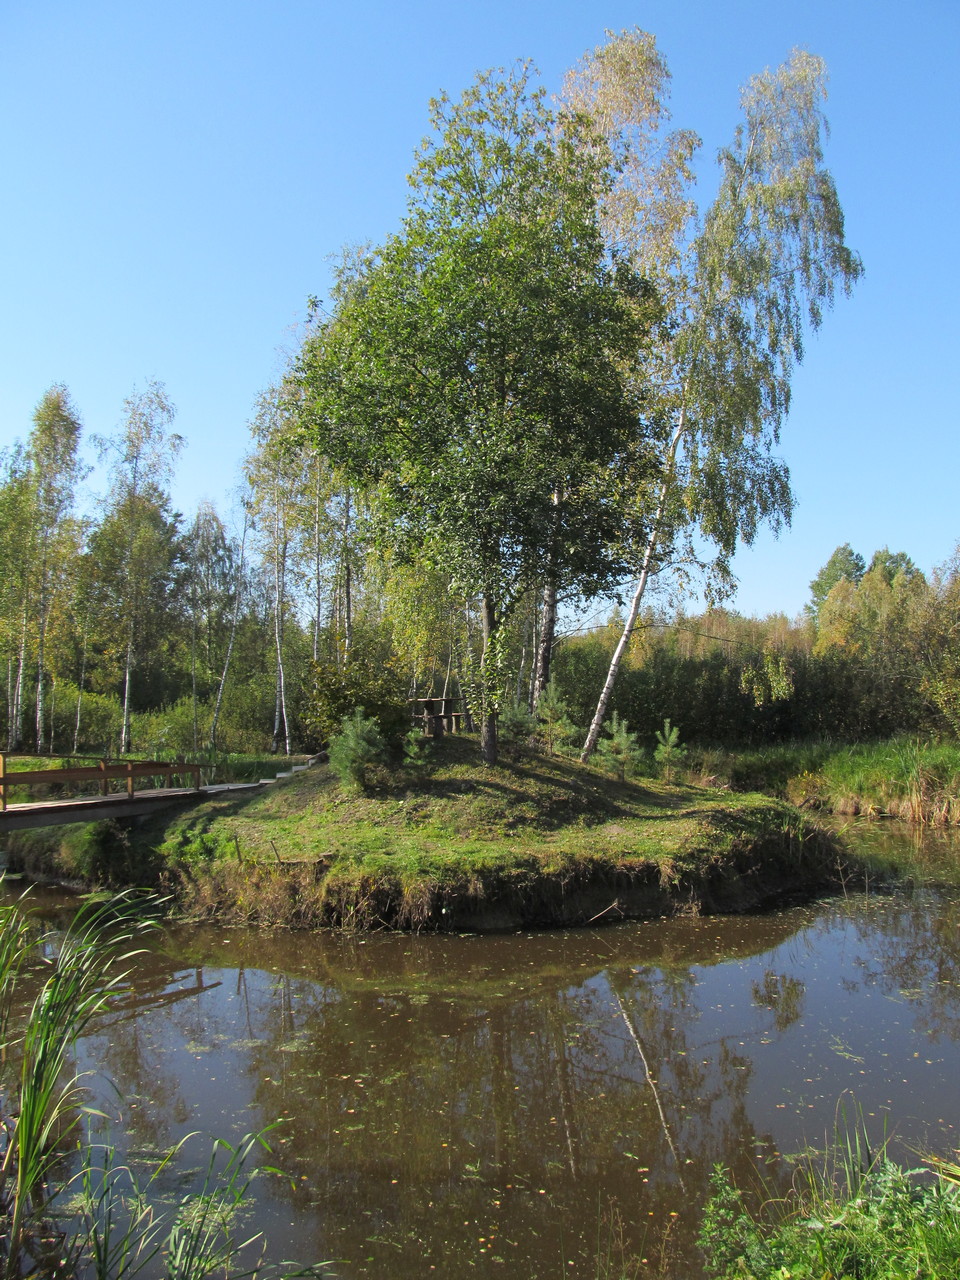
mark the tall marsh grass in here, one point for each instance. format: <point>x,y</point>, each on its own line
<point>907,778</point>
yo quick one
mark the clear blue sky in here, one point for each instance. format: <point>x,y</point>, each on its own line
<point>176,175</point>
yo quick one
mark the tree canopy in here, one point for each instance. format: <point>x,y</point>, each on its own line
<point>473,369</point>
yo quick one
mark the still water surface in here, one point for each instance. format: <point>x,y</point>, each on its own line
<point>509,1105</point>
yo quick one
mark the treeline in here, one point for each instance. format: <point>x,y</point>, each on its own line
<point>874,655</point>
<point>135,627</point>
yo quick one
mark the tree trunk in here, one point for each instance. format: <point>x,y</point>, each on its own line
<point>233,631</point>
<point>279,569</point>
<point>83,673</point>
<point>15,731</point>
<point>125,746</point>
<point>347,586</point>
<point>653,539</point>
<point>488,716</point>
<point>318,602</point>
<point>193,661</point>
<point>41,652</point>
<point>53,708</point>
<point>548,632</point>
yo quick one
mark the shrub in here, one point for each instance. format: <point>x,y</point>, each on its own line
<point>417,750</point>
<point>515,728</point>
<point>357,746</point>
<point>554,726</point>
<point>364,679</point>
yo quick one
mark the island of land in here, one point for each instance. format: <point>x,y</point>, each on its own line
<point>537,840</point>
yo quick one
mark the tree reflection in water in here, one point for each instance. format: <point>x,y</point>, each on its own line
<point>498,1100</point>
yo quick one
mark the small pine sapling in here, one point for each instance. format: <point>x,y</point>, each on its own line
<point>669,753</point>
<point>416,751</point>
<point>357,746</point>
<point>619,751</point>
<point>554,728</point>
<point>515,727</point>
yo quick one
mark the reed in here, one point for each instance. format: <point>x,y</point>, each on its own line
<point>46,1103</point>
<point>102,1222</point>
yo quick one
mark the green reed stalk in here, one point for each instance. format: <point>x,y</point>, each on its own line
<point>83,978</point>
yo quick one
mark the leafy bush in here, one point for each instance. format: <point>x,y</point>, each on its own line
<point>357,746</point>
<point>366,678</point>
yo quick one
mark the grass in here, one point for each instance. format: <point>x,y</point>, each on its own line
<point>101,1223</point>
<point>856,1216</point>
<point>539,840</point>
<point>906,778</point>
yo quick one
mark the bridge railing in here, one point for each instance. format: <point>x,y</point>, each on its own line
<point>102,773</point>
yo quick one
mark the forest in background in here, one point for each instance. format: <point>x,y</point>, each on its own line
<point>195,635</point>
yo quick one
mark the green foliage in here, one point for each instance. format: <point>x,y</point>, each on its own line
<point>844,565</point>
<point>515,728</point>
<point>618,751</point>
<point>488,418</point>
<point>880,1223</point>
<point>357,747</point>
<point>417,751</point>
<point>669,753</point>
<point>554,728</point>
<point>767,680</point>
<point>366,677</point>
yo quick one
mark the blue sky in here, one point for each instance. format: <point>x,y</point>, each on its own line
<point>177,174</point>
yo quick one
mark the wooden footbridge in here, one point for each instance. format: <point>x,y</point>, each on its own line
<point>107,803</point>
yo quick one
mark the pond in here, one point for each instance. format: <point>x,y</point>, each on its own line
<point>530,1105</point>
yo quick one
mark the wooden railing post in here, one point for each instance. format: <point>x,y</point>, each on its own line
<point>129,778</point>
<point>3,782</point>
<point>104,784</point>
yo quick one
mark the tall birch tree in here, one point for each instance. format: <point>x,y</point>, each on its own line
<point>141,458</point>
<point>740,293</point>
<point>55,471</point>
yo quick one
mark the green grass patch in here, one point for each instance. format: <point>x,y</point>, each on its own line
<point>852,1213</point>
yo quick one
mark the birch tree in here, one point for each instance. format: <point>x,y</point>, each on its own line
<point>141,459</point>
<point>278,482</point>
<point>40,545</point>
<point>740,292</point>
<point>55,471</point>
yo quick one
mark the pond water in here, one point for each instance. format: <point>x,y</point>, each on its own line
<point>530,1105</point>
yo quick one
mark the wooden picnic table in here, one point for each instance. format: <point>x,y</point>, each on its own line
<point>439,715</point>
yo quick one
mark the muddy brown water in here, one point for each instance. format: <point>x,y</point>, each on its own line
<point>535,1104</point>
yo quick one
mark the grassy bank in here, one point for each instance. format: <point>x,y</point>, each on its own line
<point>536,841</point>
<point>900,778</point>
